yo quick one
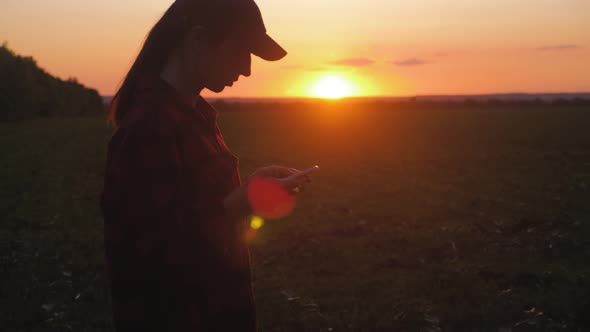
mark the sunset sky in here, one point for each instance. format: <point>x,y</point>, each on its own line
<point>377,47</point>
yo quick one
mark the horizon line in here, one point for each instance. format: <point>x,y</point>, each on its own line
<point>400,96</point>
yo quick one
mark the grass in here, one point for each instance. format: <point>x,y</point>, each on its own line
<point>466,220</point>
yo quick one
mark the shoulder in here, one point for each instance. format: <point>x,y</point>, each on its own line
<point>149,112</point>
<point>146,130</point>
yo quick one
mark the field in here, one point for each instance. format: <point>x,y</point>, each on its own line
<point>423,220</point>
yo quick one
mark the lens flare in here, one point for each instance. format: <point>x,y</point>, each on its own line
<point>268,199</point>
<point>256,222</point>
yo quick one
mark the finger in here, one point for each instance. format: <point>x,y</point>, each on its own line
<point>300,185</point>
<point>304,175</point>
<point>284,172</point>
<point>289,183</point>
<point>302,180</point>
<point>301,188</point>
<point>311,169</point>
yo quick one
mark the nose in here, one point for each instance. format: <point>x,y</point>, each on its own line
<point>245,65</point>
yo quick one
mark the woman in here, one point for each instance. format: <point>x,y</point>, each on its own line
<point>173,203</point>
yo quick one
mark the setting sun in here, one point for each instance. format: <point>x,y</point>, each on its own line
<point>332,86</point>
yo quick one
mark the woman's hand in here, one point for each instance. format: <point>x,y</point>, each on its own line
<point>237,204</point>
<point>282,175</point>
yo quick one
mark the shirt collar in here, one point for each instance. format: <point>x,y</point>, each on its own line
<point>202,108</point>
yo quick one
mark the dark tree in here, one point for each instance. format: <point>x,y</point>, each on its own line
<point>26,90</point>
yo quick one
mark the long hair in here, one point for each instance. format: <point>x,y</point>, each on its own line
<point>167,34</point>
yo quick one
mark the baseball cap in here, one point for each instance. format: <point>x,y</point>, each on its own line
<point>240,16</point>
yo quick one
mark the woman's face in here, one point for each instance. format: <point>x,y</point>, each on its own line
<point>218,65</point>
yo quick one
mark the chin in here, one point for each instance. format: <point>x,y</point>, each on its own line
<point>217,89</point>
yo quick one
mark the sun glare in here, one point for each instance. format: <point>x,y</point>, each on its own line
<point>332,86</point>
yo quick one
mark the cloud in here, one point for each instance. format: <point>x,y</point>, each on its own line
<point>292,67</point>
<point>561,47</point>
<point>354,62</point>
<point>409,62</point>
<point>300,67</point>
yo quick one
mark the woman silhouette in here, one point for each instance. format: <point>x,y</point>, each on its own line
<point>173,202</point>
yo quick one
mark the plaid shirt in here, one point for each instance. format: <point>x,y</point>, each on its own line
<point>175,260</point>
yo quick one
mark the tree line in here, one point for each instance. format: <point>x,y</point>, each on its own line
<point>28,91</point>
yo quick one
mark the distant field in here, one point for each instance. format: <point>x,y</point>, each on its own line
<point>471,220</point>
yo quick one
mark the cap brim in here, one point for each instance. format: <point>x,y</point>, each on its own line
<point>266,48</point>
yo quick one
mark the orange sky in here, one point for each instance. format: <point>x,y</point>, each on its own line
<point>383,47</point>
